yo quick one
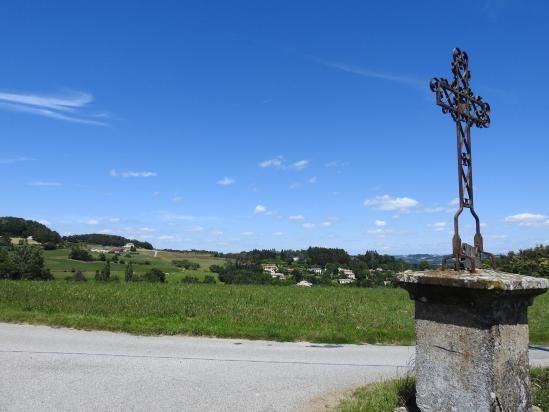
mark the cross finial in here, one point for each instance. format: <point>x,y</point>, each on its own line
<point>466,110</point>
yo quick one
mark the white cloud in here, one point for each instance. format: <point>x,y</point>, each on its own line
<point>375,231</point>
<point>308,225</point>
<point>296,217</point>
<point>300,164</point>
<point>277,162</point>
<point>336,163</point>
<point>69,107</point>
<point>216,232</point>
<point>528,219</point>
<point>114,220</point>
<point>313,180</point>
<point>259,209</point>
<point>278,233</point>
<point>177,198</point>
<point>197,229</point>
<point>146,229</point>
<point>326,223</point>
<point>105,231</point>
<point>44,184</point>
<point>166,237</point>
<point>387,202</point>
<point>295,185</point>
<point>361,71</point>
<point>438,226</point>
<point>437,209</point>
<point>92,222</point>
<point>114,173</point>
<point>45,222</point>
<point>247,233</point>
<point>454,202</point>
<point>380,223</point>
<point>226,181</point>
<point>10,160</point>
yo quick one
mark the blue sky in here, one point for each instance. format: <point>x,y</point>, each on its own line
<point>232,125</point>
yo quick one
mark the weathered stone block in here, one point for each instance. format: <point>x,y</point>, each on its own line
<point>472,339</point>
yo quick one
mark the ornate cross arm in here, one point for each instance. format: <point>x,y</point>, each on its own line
<point>461,103</point>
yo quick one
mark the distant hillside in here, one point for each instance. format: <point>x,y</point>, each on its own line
<point>107,240</point>
<point>420,257</point>
<point>19,227</point>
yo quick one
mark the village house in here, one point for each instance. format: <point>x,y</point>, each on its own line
<point>128,247</point>
<point>304,284</point>
<point>349,276</point>
<point>270,268</point>
<point>348,273</point>
<point>316,270</point>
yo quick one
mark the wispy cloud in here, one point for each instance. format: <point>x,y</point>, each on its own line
<point>528,219</point>
<point>296,217</point>
<point>226,181</point>
<point>115,173</point>
<point>280,163</point>
<point>70,107</point>
<point>387,203</point>
<point>10,160</point>
<point>365,72</point>
<point>44,184</point>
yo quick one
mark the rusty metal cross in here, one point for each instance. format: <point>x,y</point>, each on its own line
<point>466,110</point>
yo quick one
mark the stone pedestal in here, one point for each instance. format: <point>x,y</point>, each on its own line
<point>472,339</point>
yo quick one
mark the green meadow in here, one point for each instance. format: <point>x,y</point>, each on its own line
<point>285,313</point>
<point>61,266</point>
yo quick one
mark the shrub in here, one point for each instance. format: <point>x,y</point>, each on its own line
<point>189,279</point>
<point>78,276</point>
<point>154,275</point>
<point>50,246</point>
<point>186,264</point>
<point>209,279</point>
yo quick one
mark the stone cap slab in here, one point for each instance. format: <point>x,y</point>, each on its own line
<point>484,279</point>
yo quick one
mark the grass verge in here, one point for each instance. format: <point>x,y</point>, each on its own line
<point>330,315</point>
<point>388,395</point>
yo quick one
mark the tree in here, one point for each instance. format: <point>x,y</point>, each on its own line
<point>23,262</point>
<point>128,276</point>
<point>424,265</point>
<point>78,253</point>
<point>106,272</point>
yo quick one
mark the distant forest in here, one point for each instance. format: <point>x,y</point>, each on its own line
<point>18,227</point>
<point>106,240</point>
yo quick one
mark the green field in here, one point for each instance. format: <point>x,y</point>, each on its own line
<point>287,313</point>
<point>61,266</point>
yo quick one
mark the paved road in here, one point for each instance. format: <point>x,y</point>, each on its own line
<point>45,369</point>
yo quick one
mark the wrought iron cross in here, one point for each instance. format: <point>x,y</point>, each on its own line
<point>466,110</point>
